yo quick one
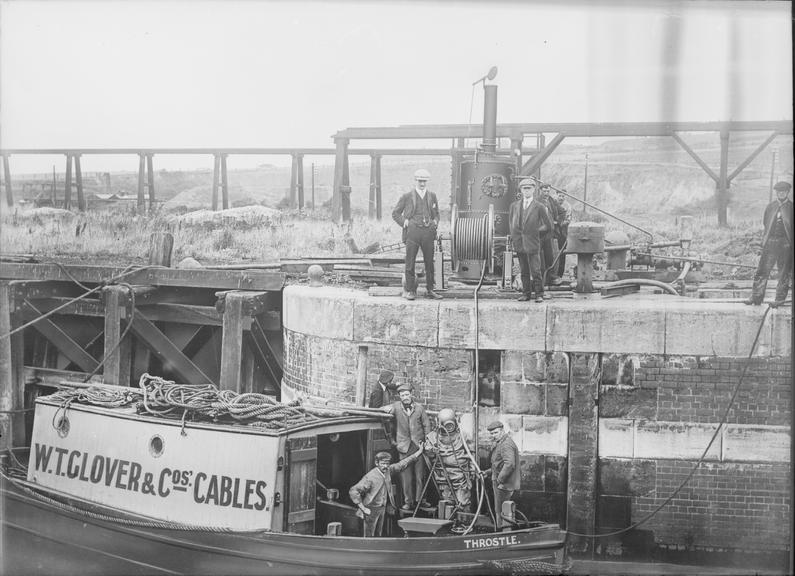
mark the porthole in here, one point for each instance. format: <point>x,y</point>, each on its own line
<point>156,446</point>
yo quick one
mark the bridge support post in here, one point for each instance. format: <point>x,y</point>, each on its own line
<point>141,201</point>
<point>150,182</point>
<point>67,191</point>
<point>374,205</point>
<point>81,198</point>
<point>7,181</point>
<point>340,171</point>
<point>722,191</point>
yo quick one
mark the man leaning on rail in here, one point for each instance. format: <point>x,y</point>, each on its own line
<point>417,212</point>
<point>776,247</point>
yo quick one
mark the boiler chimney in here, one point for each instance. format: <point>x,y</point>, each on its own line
<point>490,119</point>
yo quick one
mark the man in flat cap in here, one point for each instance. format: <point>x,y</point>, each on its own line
<point>505,473</point>
<point>417,212</point>
<point>528,219</point>
<point>373,492</point>
<point>776,247</point>
<point>412,425</point>
<point>383,390</point>
<point>548,271</point>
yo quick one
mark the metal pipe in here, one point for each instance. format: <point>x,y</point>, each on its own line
<point>490,119</point>
<point>556,189</point>
<point>691,259</point>
<point>643,282</point>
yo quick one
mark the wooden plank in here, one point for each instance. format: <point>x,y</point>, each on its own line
<point>164,349</point>
<point>117,353</point>
<point>232,342</point>
<point>63,341</point>
<point>194,278</point>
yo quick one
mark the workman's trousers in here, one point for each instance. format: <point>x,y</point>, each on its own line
<point>530,267</point>
<point>547,258</point>
<point>411,479</point>
<point>374,521</point>
<point>500,496</point>
<point>562,237</point>
<point>777,252</point>
<point>419,238</point>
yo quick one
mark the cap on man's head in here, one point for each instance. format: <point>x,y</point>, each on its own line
<point>494,425</point>
<point>386,377</point>
<point>422,174</point>
<point>383,457</point>
<point>545,186</point>
<point>527,183</point>
<point>405,387</point>
<point>782,186</point>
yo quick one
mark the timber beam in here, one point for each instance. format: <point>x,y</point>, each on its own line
<point>60,338</point>
<point>162,347</point>
<point>154,276</point>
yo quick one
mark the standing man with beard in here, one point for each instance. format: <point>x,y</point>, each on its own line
<point>528,219</point>
<point>412,425</point>
<point>776,247</point>
<point>417,212</point>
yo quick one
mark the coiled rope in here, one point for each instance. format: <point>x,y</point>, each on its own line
<point>159,397</point>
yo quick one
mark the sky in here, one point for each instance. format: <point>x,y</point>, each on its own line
<point>129,73</point>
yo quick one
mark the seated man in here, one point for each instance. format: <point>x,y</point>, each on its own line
<point>372,493</point>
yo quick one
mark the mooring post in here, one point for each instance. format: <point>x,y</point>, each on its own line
<point>12,382</point>
<point>118,356</point>
<point>585,374</point>
<point>7,180</point>
<point>232,341</point>
<point>161,244</point>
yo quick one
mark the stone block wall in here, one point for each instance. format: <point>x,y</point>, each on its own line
<point>658,403</point>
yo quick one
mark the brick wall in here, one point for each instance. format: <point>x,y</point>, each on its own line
<point>725,505</point>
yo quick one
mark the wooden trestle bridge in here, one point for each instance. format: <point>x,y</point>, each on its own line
<point>528,159</point>
<point>113,324</point>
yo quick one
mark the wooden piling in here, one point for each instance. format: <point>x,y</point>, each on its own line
<point>12,419</point>
<point>81,197</point>
<point>118,355</point>
<point>7,180</point>
<point>232,342</point>
<point>161,245</point>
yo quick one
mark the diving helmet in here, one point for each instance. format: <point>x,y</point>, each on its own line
<point>447,421</point>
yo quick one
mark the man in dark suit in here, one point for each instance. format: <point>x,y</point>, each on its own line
<point>776,247</point>
<point>529,219</point>
<point>505,472</point>
<point>412,425</point>
<point>417,212</point>
<point>382,393</point>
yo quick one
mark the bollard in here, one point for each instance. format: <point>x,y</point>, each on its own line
<point>508,512</point>
<point>334,529</point>
<point>315,273</point>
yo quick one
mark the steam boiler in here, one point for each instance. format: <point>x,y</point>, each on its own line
<point>479,227</point>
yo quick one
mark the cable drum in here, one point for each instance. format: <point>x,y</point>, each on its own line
<point>472,238</point>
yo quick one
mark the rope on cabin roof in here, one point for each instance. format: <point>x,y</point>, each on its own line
<point>158,396</point>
